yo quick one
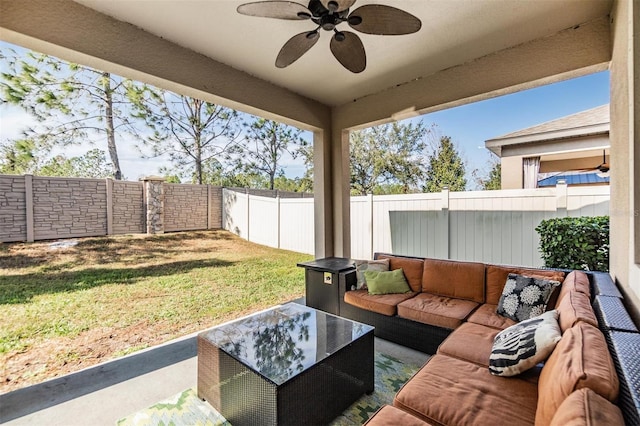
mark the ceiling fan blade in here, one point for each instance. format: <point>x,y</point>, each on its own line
<point>296,47</point>
<point>349,52</point>
<point>275,9</point>
<point>337,5</point>
<point>383,20</point>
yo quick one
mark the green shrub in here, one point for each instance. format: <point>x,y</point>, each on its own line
<point>575,242</point>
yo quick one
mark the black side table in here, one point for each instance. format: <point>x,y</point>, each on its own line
<point>322,282</point>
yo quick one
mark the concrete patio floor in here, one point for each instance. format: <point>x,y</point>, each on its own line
<point>105,393</point>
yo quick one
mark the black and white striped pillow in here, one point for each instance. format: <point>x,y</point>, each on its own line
<point>525,344</point>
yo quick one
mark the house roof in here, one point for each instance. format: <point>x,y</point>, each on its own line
<point>585,123</point>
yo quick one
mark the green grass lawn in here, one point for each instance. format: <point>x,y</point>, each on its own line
<point>66,309</point>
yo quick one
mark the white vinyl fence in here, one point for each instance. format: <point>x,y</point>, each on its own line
<point>483,226</point>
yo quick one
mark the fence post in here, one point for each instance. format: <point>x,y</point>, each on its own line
<point>561,198</point>
<point>154,202</point>
<point>28,198</point>
<point>371,228</point>
<point>209,209</point>
<point>248,213</point>
<point>444,228</point>
<point>109,182</point>
<point>278,215</point>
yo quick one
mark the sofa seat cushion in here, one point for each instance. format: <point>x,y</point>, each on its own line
<point>580,360</point>
<point>585,407</point>
<point>470,342</point>
<point>487,314</point>
<point>449,391</point>
<point>412,269</point>
<point>461,280</point>
<point>390,415</point>
<point>436,310</point>
<point>575,307</point>
<point>385,304</point>
<point>497,277</point>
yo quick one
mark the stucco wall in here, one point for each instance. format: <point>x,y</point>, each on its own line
<point>13,218</point>
<point>625,159</point>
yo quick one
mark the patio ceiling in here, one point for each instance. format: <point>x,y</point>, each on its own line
<point>453,32</point>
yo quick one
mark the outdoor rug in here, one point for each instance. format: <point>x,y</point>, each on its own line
<point>187,409</point>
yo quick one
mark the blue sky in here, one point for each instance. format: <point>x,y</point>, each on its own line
<point>468,125</point>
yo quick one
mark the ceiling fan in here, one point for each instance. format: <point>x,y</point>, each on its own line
<point>346,46</point>
<point>602,168</point>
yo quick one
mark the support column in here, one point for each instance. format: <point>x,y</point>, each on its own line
<point>331,184</point>
<point>154,201</point>
<point>322,206</point>
<point>341,184</point>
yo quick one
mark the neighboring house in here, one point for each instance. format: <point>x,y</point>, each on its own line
<point>570,148</point>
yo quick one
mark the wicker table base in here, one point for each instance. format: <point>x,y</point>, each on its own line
<point>290,365</point>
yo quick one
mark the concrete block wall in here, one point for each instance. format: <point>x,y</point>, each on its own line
<point>67,207</point>
<point>13,218</point>
<point>42,208</point>
<point>185,207</point>
<point>215,207</point>
<point>128,207</point>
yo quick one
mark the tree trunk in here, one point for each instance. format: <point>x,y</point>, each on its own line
<point>111,137</point>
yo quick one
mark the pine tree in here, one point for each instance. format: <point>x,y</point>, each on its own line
<point>446,169</point>
<point>69,100</point>
<point>265,144</point>
<point>388,158</point>
<point>192,133</point>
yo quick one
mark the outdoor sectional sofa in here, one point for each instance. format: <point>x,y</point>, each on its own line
<point>591,377</point>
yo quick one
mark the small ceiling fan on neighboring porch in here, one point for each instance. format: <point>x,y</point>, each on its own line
<point>602,168</point>
<point>346,46</point>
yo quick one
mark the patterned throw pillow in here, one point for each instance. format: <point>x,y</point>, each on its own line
<point>525,297</point>
<point>522,346</point>
<point>369,265</point>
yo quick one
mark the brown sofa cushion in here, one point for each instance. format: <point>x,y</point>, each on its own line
<point>450,391</point>
<point>486,315</point>
<point>497,277</point>
<point>574,307</point>
<point>470,342</point>
<point>585,407</point>
<point>384,304</point>
<point>575,281</point>
<point>581,359</point>
<point>412,269</point>
<point>462,280</point>
<point>390,415</point>
<point>436,310</point>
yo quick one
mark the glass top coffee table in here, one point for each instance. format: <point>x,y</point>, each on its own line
<point>288,365</point>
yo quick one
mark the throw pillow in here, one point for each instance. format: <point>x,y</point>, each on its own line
<point>525,344</point>
<point>369,265</point>
<point>525,297</point>
<point>387,282</point>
